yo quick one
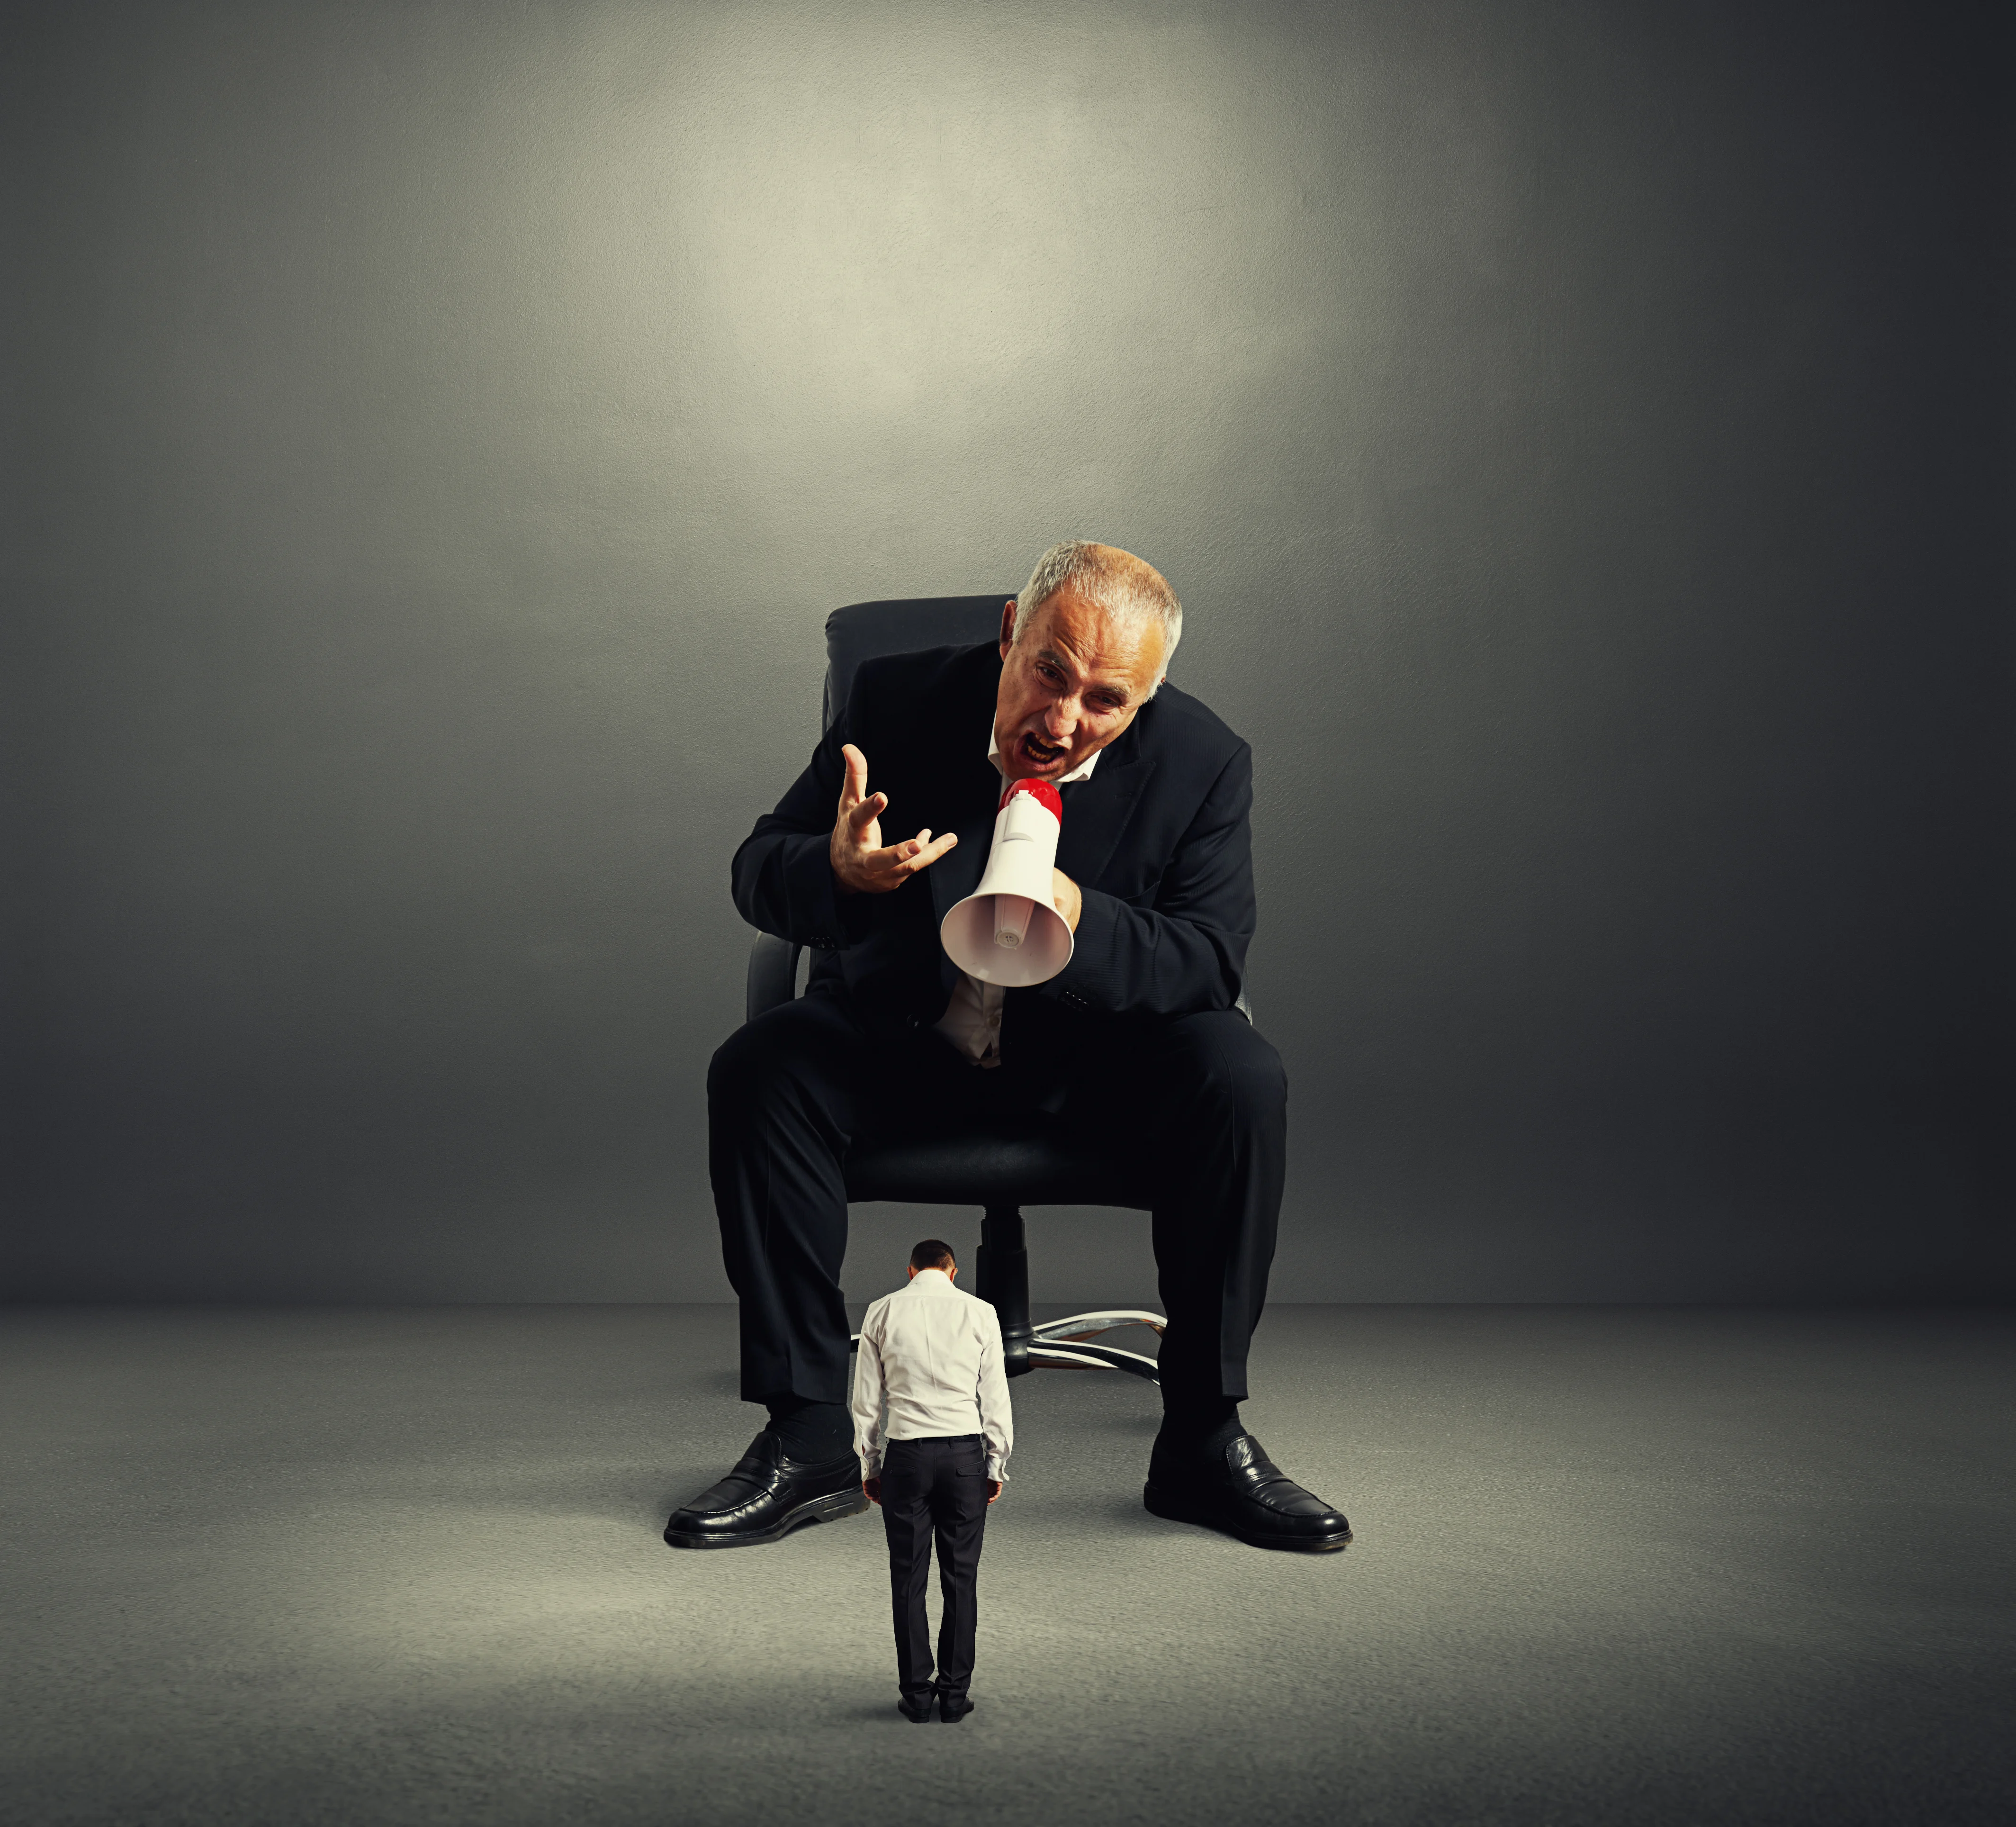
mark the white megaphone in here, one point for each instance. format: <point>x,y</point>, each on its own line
<point>1008,931</point>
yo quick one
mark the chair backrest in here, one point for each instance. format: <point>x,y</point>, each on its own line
<point>863,630</point>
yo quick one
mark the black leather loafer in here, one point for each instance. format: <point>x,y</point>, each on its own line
<point>1240,1491</point>
<point>917,1712</point>
<point>953,1708</point>
<point>766,1496</point>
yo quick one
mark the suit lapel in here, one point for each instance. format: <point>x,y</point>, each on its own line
<point>953,877</point>
<point>1096,811</point>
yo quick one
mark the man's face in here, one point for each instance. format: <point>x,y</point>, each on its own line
<point>1073,682</point>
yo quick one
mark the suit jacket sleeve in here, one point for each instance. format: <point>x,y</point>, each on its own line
<point>1186,951</point>
<point>782,876</point>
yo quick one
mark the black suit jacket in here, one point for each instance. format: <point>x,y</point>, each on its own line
<point>1159,841</point>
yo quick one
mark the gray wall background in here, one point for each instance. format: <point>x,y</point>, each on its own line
<point>436,433</point>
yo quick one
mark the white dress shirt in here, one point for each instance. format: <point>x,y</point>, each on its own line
<point>972,1020</point>
<point>935,1352</point>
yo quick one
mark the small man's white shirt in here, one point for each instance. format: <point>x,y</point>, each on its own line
<point>935,1352</point>
<point>972,1020</point>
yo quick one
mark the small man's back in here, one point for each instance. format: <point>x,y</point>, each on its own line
<point>934,1354</point>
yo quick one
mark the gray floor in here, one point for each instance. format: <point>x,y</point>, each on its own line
<point>1614,1565</point>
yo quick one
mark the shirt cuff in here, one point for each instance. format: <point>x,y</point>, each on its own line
<point>997,1469</point>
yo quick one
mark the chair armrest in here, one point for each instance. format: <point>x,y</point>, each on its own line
<point>773,974</point>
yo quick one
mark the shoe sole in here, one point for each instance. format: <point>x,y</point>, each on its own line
<point>1175,1509</point>
<point>829,1508</point>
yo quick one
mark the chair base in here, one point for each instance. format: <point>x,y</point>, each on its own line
<point>1065,1344</point>
<point>1001,1275</point>
<point>1003,1280</point>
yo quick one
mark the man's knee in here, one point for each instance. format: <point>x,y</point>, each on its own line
<point>1230,1065</point>
<point>778,1054</point>
<point>740,1066</point>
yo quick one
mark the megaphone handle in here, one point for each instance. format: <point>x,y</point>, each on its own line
<point>1011,919</point>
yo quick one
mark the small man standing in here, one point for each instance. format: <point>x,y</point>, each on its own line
<point>935,1352</point>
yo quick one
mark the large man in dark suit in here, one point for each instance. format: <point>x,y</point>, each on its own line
<point>1137,1042</point>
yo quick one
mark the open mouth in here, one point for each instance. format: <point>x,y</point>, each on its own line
<point>1039,754</point>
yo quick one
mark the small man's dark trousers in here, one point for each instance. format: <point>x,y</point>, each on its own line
<point>934,1489</point>
<point>1199,1101</point>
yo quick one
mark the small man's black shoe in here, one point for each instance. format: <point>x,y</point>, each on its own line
<point>1236,1488</point>
<point>917,1712</point>
<point>766,1496</point>
<point>952,1707</point>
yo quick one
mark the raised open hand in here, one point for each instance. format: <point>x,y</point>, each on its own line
<point>862,864</point>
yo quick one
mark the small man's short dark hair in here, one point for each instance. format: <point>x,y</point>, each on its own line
<point>931,1254</point>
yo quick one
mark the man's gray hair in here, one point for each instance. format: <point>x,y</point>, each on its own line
<point>1110,579</point>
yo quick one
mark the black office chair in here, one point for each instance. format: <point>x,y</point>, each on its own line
<point>1000,1169</point>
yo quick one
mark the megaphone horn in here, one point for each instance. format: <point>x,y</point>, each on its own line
<point>1008,931</point>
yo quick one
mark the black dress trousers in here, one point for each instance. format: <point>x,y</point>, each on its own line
<point>935,1490</point>
<point>1198,1101</point>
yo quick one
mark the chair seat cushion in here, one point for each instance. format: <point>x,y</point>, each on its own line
<point>1003,1166</point>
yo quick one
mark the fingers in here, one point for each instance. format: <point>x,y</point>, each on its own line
<point>924,855</point>
<point>855,786</point>
<point>1064,896</point>
<point>878,871</point>
<point>858,806</point>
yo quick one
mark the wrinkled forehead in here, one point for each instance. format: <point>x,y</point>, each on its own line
<point>1098,641</point>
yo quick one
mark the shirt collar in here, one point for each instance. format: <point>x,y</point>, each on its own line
<point>1083,772</point>
<point>930,1281</point>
